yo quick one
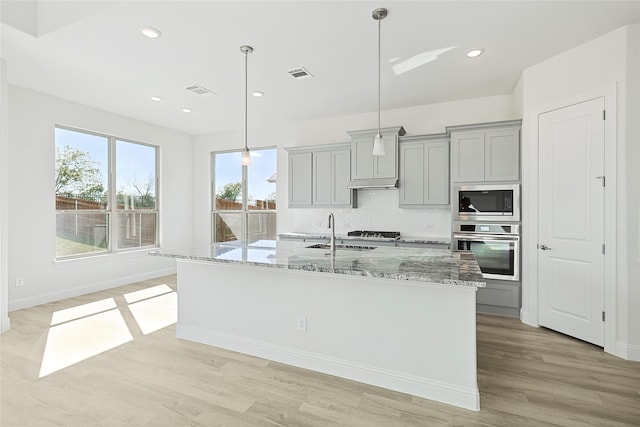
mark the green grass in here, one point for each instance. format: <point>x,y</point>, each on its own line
<point>65,247</point>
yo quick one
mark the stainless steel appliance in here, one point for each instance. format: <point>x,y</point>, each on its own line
<point>495,202</point>
<point>495,245</point>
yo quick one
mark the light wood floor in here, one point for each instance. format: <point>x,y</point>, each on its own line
<point>527,377</point>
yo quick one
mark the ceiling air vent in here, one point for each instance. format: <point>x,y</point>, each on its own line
<point>300,73</point>
<point>200,90</point>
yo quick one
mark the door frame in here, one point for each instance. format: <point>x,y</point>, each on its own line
<point>529,313</point>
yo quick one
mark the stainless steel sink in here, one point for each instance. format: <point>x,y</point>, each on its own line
<point>342,247</point>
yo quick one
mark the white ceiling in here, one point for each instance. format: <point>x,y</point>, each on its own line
<point>91,52</point>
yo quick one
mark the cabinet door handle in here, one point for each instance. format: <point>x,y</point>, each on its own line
<point>544,247</point>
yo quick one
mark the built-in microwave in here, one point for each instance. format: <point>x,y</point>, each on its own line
<point>495,202</point>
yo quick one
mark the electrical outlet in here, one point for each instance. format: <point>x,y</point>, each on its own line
<point>301,324</point>
<point>20,281</point>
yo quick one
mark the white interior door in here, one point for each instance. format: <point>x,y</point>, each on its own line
<point>571,220</point>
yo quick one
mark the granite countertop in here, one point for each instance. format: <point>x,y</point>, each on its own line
<point>436,266</point>
<point>402,239</point>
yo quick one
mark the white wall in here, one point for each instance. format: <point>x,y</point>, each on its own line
<point>632,157</point>
<point>606,62</point>
<point>378,209</point>
<point>4,200</point>
<point>32,117</point>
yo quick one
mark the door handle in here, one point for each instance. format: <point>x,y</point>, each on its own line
<point>544,247</point>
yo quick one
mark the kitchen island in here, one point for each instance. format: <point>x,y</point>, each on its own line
<point>398,318</point>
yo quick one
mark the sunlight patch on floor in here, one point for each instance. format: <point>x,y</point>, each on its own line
<point>80,339</point>
<point>78,333</point>
<point>156,313</point>
<point>83,310</point>
<point>153,291</point>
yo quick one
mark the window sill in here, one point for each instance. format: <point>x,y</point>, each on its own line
<point>102,257</point>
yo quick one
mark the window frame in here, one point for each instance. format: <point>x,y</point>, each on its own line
<point>112,212</point>
<point>244,211</point>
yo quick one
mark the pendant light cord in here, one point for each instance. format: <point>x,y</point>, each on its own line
<point>246,109</point>
<point>379,76</point>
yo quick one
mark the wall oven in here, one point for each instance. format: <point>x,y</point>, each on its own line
<point>495,246</point>
<point>494,202</point>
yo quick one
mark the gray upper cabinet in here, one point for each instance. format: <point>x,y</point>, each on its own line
<point>424,170</point>
<point>364,165</point>
<point>502,155</point>
<point>322,178</point>
<point>340,177</point>
<point>467,156</point>
<point>331,175</point>
<point>362,160</point>
<point>487,152</point>
<point>300,179</point>
<point>319,175</point>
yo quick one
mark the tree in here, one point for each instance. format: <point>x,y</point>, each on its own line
<point>144,191</point>
<point>230,191</point>
<point>271,197</point>
<point>77,173</point>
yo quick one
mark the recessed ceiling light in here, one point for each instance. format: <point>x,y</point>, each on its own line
<point>150,32</point>
<point>187,110</point>
<point>475,53</point>
<point>258,93</point>
<point>156,98</point>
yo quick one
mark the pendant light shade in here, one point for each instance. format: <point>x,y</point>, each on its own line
<point>378,146</point>
<point>246,156</point>
<point>378,143</point>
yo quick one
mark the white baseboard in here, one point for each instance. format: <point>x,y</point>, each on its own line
<point>468,398</point>
<point>525,318</point>
<point>5,324</point>
<point>32,301</point>
<point>628,351</point>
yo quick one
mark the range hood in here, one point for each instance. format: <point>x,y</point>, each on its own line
<point>373,183</point>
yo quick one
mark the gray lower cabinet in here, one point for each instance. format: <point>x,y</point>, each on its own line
<point>424,171</point>
<point>488,152</point>
<point>499,297</point>
<point>319,175</point>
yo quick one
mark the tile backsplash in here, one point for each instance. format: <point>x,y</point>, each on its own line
<point>377,210</point>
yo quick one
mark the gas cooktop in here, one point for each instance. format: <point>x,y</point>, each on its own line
<point>375,234</point>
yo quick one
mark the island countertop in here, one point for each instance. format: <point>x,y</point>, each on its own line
<point>403,239</point>
<point>436,266</point>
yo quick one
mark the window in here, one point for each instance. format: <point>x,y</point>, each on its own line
<point>105,193</point>
<point>244,198</point>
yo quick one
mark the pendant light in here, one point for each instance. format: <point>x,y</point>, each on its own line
<point>378,144</point>
<point>246,157</point>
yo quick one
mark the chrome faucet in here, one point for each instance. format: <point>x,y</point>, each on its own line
<point>332,226</point>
